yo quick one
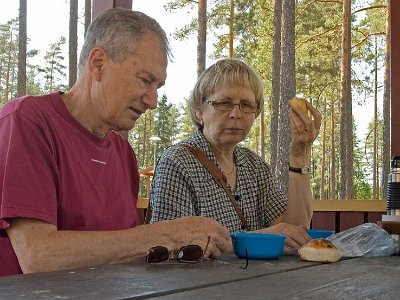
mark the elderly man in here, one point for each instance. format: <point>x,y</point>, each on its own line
<point>69,183</point>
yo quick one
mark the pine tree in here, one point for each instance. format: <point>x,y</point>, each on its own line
<point>54,71</point>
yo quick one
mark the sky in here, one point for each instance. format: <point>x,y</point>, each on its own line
<point>48,20</point>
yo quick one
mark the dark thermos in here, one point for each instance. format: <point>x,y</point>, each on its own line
<point>393,188</point>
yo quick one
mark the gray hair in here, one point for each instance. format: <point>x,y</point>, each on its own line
<point>117,31</point>
<point>226,71</point>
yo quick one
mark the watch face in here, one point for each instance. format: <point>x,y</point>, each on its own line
<point>305,170</point>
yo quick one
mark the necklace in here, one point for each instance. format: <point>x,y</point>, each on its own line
<point>230,173</point>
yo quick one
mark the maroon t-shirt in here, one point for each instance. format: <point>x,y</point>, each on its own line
<point>55,170</point>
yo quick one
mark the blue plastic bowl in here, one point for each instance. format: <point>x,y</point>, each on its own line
<point>319,234</point>
<point>258,245</point>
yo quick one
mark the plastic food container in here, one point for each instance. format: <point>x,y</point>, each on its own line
<point>258,245</point>
<point>319,234</point>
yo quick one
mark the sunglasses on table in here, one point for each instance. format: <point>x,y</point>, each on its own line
<point>186,254</point>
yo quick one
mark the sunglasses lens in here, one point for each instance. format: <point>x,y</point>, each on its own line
<point>157,254</point>
<point>190,253</point>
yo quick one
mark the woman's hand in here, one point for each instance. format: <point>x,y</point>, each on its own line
<point>296,236</point>
<point>305,129</point>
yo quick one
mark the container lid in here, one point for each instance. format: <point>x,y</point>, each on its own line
<point>257,236</point>
<point>396,161</point>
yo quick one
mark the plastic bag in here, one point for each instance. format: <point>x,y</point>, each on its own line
<point>364,240</point>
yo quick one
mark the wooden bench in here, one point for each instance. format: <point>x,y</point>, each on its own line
<point>142,205</point>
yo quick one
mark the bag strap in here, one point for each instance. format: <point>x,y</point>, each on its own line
<point>219,177</point>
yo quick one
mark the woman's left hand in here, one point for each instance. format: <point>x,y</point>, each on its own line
<point>296,235</point>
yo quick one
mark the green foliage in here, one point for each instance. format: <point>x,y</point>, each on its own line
<point>369,37</point>
<point>8,60</point>
<point>166,125</point>
<point>318,58</point>
<point>183,5</point>
<point>362,187</point>
<point>187,127</point>
<point>163,122</point>
<point>54,69</point>
<point>318,49</point>
<point>40,79</point>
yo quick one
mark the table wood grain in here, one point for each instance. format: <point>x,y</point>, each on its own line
<point>285,278</point>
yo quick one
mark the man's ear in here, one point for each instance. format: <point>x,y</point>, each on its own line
<point>97,59</point>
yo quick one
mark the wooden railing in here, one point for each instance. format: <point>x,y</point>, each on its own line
<point>339,215</point>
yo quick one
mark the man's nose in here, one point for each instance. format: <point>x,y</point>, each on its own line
<point>151,97</point>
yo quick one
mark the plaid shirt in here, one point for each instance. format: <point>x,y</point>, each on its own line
<point>183,187</point>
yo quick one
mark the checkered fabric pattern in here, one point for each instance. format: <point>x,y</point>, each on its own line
<point>183,187</point>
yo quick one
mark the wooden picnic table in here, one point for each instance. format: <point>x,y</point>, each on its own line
<point>285,278</point>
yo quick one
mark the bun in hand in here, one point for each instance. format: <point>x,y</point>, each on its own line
<point>298,103</point>
<point>320,250</point>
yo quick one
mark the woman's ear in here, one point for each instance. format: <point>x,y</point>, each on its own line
<point>199,116</point>
<point>96,61</point>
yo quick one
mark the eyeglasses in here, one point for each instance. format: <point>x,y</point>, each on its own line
<point>226,105</point>
<point>186,254</point>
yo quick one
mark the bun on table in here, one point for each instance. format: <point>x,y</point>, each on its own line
<point>319,250</point>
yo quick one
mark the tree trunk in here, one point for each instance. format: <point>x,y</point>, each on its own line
<point>73,42</point>
<point>375,149</point>
<point>322,188</point>
<point>288,89</point>
<point>7,90</point>
<point>346,127</point>
<point>21,85</point>
<point>275,89</point>
<point>262,133</point>
<point>386,111</point>
<point>202,36</point>
<point>88,14</point>
<point>231,16</point>
<point>332,194</point>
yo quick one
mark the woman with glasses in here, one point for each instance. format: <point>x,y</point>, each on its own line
<point>223,105</point>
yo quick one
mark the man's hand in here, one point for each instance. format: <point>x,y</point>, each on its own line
<point>196,230</point>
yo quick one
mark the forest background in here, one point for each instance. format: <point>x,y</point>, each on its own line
<point>246,30</point>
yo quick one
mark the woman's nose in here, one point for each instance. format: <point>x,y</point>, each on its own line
<point>236,112</point>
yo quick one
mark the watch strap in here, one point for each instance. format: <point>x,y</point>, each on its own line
<point>303,170</point>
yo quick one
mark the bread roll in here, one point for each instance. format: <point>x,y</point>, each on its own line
<point>320,250</point>
<point>298,103</point>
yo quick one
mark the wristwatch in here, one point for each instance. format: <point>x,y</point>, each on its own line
<point>303,170</point>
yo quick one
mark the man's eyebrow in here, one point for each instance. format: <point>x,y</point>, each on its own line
<point>153,79</point>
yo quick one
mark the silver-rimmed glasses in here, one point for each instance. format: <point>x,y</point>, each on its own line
<point>227,105</point>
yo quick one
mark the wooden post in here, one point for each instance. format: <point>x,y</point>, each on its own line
<point>394,6</point>
<point>102,5</point>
